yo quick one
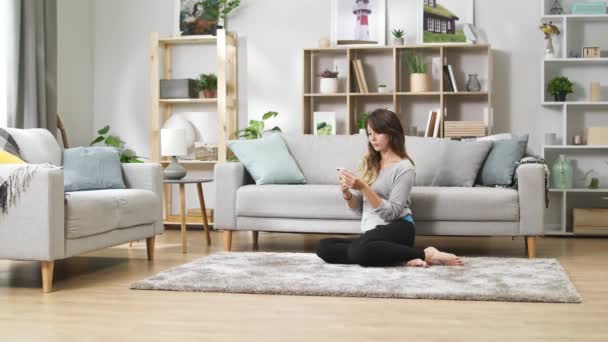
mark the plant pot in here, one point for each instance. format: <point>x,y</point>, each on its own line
<point>214,29</point>
<point>328,85</point>
<point>362,131</point>
<point>561,97</point>
<point>419,83</point>
<point>398,41</point>
<point>382,90</point>
<point>209,93</point>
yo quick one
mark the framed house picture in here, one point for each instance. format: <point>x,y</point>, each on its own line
<point>324,123</point>
<point>443,21</point>
<point>358,22</point>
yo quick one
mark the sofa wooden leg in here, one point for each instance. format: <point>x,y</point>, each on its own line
<point>228,240</point>
<point>47,267</point>
<point>255,235</point>
<point>531,246</point>
<point>150,247</point>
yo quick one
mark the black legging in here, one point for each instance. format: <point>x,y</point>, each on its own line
<point>385,245</point>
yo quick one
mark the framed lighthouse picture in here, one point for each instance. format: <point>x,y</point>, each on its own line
<point>443,21</point>
<point>358,22</point>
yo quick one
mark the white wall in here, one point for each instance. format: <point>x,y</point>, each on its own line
<point>75,69</point>
<point>272,34</point>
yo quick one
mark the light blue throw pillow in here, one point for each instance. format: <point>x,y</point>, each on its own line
<point>92,168</point>
<point>500,165</point>
<point>268,160</point>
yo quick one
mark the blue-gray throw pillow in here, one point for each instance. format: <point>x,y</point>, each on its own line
<point>500,165</point>
<point>268,160</point>
<point>92,168</point>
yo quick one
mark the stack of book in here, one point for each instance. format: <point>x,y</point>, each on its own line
<point>461,129</point>
<point>450,80</point>
<point>361,81</point>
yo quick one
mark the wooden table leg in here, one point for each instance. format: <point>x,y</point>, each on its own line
<point>182,212</point>
<point>201,200</point>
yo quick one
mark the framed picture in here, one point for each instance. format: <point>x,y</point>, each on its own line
<point>358,22</point>
<point>189,19</point>
<point>324,123</point>
<point>443,21</point>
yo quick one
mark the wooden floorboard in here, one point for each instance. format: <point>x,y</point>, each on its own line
<point>92,302</point>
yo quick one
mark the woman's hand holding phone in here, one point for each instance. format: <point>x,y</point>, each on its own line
<point>347,179</point>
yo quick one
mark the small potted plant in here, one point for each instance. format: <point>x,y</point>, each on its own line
<point>398,37</point>
<point>559,87</point>
<point>419,81</point>
<point>329,82</point>
<point>206,86</point>
<point>549,30</point>
<point>216,10</point>
<point>362,122</point>
<point>382,89</point>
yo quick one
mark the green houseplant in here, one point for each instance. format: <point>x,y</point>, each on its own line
<point>419,81</point>
<point>398,37</point>
<point>206,85</point>
<point>214,10</point>
<point>362,122</point>
<point>559,87</point>
<point>255,130</point>
<point>126,155</point>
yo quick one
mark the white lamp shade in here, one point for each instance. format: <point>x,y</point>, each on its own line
<point>173,142</point>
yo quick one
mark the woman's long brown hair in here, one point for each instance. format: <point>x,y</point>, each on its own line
<point>382,121</point>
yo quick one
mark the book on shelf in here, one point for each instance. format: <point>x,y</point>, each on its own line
<point>452,78</point>
<point>357,76</point>
<point>448,80</point>
<point>363,78</point>
<point>432,124</point>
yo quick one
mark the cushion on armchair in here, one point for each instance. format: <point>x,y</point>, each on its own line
<point>92,168</point>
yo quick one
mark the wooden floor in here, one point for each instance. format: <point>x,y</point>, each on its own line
<point>92,302</point>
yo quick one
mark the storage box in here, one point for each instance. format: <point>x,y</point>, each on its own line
<point>595,7</point>
<point>461,129</point>
<point>597,136</point>
<point>590,221</point>
<point>178,89</point>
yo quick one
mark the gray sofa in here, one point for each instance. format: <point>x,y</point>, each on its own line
<point>46,224</point>
<point>318,207</point>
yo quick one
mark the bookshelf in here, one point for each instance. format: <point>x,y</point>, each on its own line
<point>385,65</point>
<point>578,113</point>
<point>225,105</point>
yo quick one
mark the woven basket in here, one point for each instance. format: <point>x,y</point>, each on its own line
<point>206,152</point>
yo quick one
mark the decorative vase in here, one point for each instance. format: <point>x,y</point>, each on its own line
<point>419,83</point>
<point>596,92</point>
<point>561,97</point>
<point>549,50</point>
<point>329,85</point>
<point>324,43</point>
<point>562,174</point>
<point>398,41</point>
<point>209,93</point>
<point>473,83</point>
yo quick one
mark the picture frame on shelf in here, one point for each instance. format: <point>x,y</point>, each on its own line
<point>324,123</point>
<point>188,19</point>
<point>443,21</point>
<point>591,52</point>
<point>358,22</point>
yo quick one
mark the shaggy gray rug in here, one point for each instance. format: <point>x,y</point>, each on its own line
<point>496,279</point>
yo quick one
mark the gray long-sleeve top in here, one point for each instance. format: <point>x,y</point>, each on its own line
<point>393,185</point>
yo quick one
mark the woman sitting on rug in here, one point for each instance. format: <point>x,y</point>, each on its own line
<point>382,195</point>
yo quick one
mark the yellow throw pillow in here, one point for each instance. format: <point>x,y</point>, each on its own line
<point>7,158</point>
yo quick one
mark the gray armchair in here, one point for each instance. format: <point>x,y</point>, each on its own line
<point>46,224</point>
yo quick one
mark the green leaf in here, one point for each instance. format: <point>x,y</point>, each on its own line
<point>269,115</point>
<point>256,125</point>
<point>113,141</point>
<point>97,140</point>
<point>104,130</point>
<point>276,129</point>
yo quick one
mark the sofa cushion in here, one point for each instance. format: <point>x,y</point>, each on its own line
<point>464,204</point>
<point>92,168</point>
<point>98,211</point>
<point>293,201</point>
<point>425,153</point>
<point>319,155</point>
<point>461,162</point>
<point>37,145</point>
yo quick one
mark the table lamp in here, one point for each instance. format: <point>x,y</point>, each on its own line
<point>173,144</point>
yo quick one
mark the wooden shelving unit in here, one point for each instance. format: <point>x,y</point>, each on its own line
<point>226,102</point>
<point>577,112</point>
<point>385,65</point>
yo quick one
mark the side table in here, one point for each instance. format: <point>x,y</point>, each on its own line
<point>182,205</point>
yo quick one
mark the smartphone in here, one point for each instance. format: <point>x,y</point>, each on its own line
<point>343,169</point>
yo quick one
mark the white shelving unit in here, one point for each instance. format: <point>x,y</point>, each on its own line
<point>576,32</point>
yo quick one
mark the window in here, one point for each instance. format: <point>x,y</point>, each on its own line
<point>443,26</point>
<point>449,25</point>
<point>430,24</point>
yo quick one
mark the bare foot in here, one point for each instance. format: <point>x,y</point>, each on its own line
<point>416,263</point>
<point>434,257</point>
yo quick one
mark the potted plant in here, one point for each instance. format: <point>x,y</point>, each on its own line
<point>398,37</point>
<point>255,130</point>
<point>549,30</point>
<point>214,10</point>
<point>362,122</point>
<point>206,86</point>
<point>419,81</point>
<point>329,82</point>
<point>126,155</point>
<point>559,87</point>
<point>382,89</point>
